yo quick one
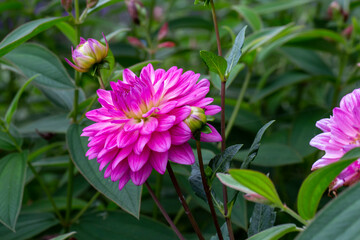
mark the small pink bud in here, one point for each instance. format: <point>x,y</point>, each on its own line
<point>158,14</point>
<point>133,9</point>
<point>254,197</point>
<point>196,120</point>
<point>166,45</point>
<point>88,53</point>
<point>163,32</point>
<point>347,31</point>
<point>91,3</point>
<point>135,42</point>
<point>67,5</point>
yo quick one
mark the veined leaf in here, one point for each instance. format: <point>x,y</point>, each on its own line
<point>215,63</point>
<point>235,52</point>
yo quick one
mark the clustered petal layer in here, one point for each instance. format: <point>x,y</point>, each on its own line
<point>341,133</point>
<point>140,125</point>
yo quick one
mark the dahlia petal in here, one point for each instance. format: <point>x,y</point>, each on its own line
<point>107,172</point>
<point>160,141</point>
<point>182,154</point>
<point>151,111</point>
<point>136,162</point>
<point>180,134</point>
<point>165,123</point>
<point>126,138</point>
<point>212,109</point>
<point>133,125</point>
<point>141,142</point>
<point>180,113</point>
<point>142,175</point>
<point>119,171</point>
<point>123,153</point>
<point>124,180</point>
<point>214,136</point>
<point>128,76</point>
<point>149,126</point>
<point>105,95</point>
<point>321,140</point>
<point>203,102</point>
<point>158,161</point>
<point>167,107</point>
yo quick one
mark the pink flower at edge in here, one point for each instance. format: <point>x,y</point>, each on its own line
<point>341,133</point>
<point>141,124</point>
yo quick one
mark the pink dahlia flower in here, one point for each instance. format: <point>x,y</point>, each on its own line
<point>141,124</point>
<point>88,53</point>
<point>341,134</point>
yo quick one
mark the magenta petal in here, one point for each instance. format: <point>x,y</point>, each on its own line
<point>136,162</point>
<point>167,107</point>
<point>133,125</point>
<point>165,123</point>
<point>142,175</point>
<point>212,109</point>
<point>182,154</point>
<point>149,126</point>
<point>124,180</point>
<point>159,161</point>
<point>126,138</point>
<point>180,134</point>
<point>181,113</point>
<point>123,153</point>
<point>160,141</point>
<point>141,142</point>
<point>119,171</point>
<point>214,136</point>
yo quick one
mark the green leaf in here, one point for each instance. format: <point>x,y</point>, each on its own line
<point>14,103</point>
<point>282,81</point>
<point>262,218</point>
<point>308,60</point>
<point>6,142</point>
<point>55,124</point>
<point>63,236</point>
<point>279,5</point>
<point>54,81</point>
<point>268,155</point>
<point>317,182</point>
<point>253,151</point>
<point>44,205</point>
<point>29,225</point>
<point>258,183</point>
<point>12,181</point>
<point>339,219</point>
<point>275,233</point>
<point>312,34</point>
<point>101,4</point>
<point>251,17</point>
<point>196,182</point>
<point>215,63</point>
<point>215,79</point>
<point>221,162</point>
<point>27,31</point>
<point>35,59</point>
<point>128,198</point>
<point>118,225</point>
<point>68,31</point>
<point>235,52</point>
<point>13,5</point>
<point>224,233</point>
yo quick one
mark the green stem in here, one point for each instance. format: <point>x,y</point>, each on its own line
<point>44,149</point>
<point>101,82</point>
<point>158,186</point>
<point>294,215</point>
<point>70,184</point>
<point>46,190</point>
<point>207,191</point>
<point>88,107</point>
<point>83,210</point>
<point>7,131</point>
<point>238,103</point>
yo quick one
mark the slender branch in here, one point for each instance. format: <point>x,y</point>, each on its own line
<point>207,191</point>
<point>158,186</point>
<point>181,210</point>
<point>162,210</point>
<point>83,210</point>
<point>101,82</point>
<point>294,215</point>
<point>238,103</point>
<point>46,190</point>
<point>183,202</point>
<point>223,131</point>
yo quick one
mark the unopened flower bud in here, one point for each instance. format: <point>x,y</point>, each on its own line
<point>196,120</point>
<point>67,5</point>
<point>88,53</point>
<point>347,31</point>
<point>91,3</point>
<point>254,197</point>
<point>134,9</point>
